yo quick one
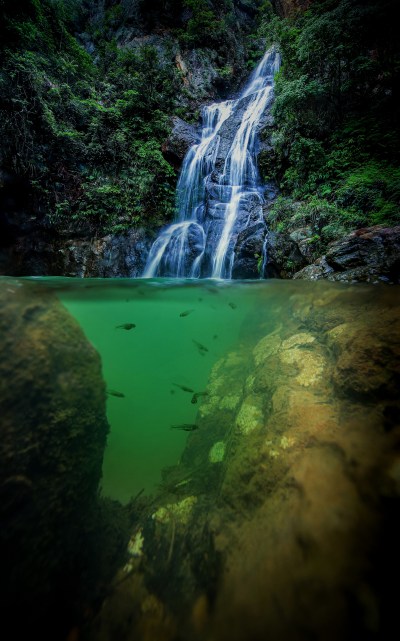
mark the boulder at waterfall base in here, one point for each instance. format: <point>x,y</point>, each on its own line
<point>370,254</point>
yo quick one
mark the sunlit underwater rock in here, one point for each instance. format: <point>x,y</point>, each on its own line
<point>266,347</point>
<point>292,534</point>
<point>217,452</point>
<point>250,416</point>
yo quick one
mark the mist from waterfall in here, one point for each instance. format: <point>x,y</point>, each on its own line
<point>218,193</point>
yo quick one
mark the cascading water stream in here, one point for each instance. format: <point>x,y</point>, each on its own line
<point>218,193</point>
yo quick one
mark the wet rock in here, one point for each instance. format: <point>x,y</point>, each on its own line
<point>229,128</point>
<point>249,252</point>
<point>371,254</point>
<point>317,271</point>
<point>194,245</point>
<point>181,138</point>
<point>111,256</point>
<point>283,256</point>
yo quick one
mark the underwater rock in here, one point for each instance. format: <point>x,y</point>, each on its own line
<point>54,429</point>
<point>366,363</point>
<point>217,452</point>
<point>266,347</point>
<point>292,535</point>
<point>250,416</point>
<point>181,511</point>
<point>309,364</point>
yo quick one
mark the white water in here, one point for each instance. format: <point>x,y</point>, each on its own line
<point>217,197</point>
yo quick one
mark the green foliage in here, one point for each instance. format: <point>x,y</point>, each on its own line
<point>372,191</point>
<point>88,136</point>
<point>213,24</point>
<point>86,131</point>
<point>318,219</point>
<point>203,28</point>
<point>336,137</point>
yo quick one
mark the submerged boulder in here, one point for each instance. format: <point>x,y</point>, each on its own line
<point>53,435</point>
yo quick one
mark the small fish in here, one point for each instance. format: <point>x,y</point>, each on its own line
<point>196,396</point>
<point>200,347</point>
<point>187,312</point>
<point>215,336</point>
<point>184,388</point>
<point>233,305</point>
<point>126,326</point>
<point>182,483</point>
<point>188,427</point>
<point>113,392</point>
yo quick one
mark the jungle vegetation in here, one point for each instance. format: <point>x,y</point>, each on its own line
<point>83,114</point>
<point>83,117</point>
<point>335,144</point>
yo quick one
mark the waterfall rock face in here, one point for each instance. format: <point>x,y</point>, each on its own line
<point>182,137</point>
<point>219,196</point>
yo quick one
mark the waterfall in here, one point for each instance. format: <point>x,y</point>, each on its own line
<point>219,197</point>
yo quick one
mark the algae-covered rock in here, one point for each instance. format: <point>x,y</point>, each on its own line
<point>250,416</point>
<point>366,363</point>
<point>53,434</point>
<point>217,452</point>
<point>181,511</point>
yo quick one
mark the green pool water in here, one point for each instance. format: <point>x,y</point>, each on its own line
<point>181,329</point>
